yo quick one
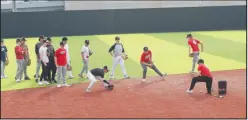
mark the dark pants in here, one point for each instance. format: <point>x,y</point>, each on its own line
<point>44,73</point>
<point>205,79</point>
<point>153,67</point>
<point>51,69</point>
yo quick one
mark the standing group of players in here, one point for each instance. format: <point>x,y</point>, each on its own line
<point>59,62</point>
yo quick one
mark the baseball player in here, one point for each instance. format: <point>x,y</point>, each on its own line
<point>61,63</point>
<point>44,62</point>
<point>38,63</point>
<point>116,51</point>
<point>193,46</point>
<point>51,65</point>
<point>146,61</point>
<point>203,76</point>
<point>66,46</point>
<point>4,59</point>
<point>19,52</point>
<point>26,57</point>
<point>97,74</point>
<point>85,53</point>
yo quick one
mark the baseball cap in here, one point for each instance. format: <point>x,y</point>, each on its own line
<point>117,38</point>
<point>23,39</point>
<point>105,68</point>
<point>49,39</point>
<point>61,43</point>
<point>200,61</point>
<point>64,39</point>
<point>145,48</point>
<point>41,37</point>
<point>189,35</point>
<point>18,40</point>
<point>87,42</point>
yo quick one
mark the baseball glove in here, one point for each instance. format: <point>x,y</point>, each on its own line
<point>29,62</point>
<point>110,87</point>
<point>69,68</point>
<point>191,55</point>
<point>124,57</point>
<point>90,53</point>
<point>6,62</point>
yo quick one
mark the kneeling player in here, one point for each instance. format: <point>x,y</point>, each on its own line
<point>205,76</point>
<point>98,74</point>
<point>146,60</point>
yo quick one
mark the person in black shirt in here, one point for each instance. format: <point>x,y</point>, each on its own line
<point>97,74</point>
<point>51,65</point>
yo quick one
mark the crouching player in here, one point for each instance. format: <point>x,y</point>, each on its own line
<point>205,76</point>
<point>98,74</point>
<point>146,61</point>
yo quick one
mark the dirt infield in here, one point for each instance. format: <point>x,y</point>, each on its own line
<point>130,99</point>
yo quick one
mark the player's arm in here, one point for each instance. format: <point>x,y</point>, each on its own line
<point>189,49</point>
<point>55,58</point>
<point>201,46</point>
<point>6,53</point>
<point>123,50</point>
<point>143,59</point>
<point>37,51</point>
<point>27,51</point>
<point>111,49</point>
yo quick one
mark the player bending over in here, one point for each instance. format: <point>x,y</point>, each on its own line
<point>146,60</point>
<point>204,76</point>
<point>98,74</point>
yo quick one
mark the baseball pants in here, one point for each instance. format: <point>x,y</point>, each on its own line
<point>93,79</point>
<point>25,67</point>
<point>38,64</point>
<point>2,68</point>
<point>61,74</point>
<point>51,69</point>
<point>85,67</point>
<point>205,79</point>
<point>194,61</point>
<point>44,73</point>
<point>118,60</point>
<point>20,70</point>
<point>153,67</point>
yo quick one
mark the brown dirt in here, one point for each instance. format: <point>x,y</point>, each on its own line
<point>130,99</point>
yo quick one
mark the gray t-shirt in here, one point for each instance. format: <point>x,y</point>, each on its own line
<point>118,49</point>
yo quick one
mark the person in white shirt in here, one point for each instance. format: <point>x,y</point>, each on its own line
<point>85,53</point>
<point>64,40</point>
<point>44,62</point>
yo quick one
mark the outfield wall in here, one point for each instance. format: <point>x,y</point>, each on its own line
<point>89,22</point>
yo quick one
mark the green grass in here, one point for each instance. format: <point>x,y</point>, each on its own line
<point>223,50</point>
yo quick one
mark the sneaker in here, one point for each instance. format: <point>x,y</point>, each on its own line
<point>192,72</point>
<point>18,80</point>
<point>88,90</point>
<point>58,85</point>
<point>126,77</point>
<point>66,85</point>
<point>143,80</point>
<point>79,75</point>
<point>26,78</point>
<point>189,91</point>
<point>54,81</point>
<point>40,83</point>
<point>70,77</point>
<point>2,77</point>
<point>164,76</point>
<point>111,77</point>
<point>45,82</point>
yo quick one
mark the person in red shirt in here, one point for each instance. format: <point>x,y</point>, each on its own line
<point>19,52</point>
<point>61,63</point>
<point>193,48</point>
<point>205,76</point>
<point>146,60</point>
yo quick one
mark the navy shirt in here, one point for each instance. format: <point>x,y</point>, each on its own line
<point>97,72</point>
<point>3,53</point>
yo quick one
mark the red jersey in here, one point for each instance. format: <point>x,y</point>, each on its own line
<point>146,57</point>
<point>204,70</point>
<point>19,52</point>
<point>194,44</point>
<point>60,54</point>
